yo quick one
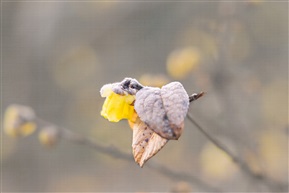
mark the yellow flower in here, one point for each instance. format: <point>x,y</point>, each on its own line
<point>117,107</point>
<point>18,121</point>
<point>49,136</point>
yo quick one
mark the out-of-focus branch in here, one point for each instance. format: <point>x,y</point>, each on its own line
<point>181,176</point>
<point>113,151</point>
<point>274,186</point>
<point>81,140</point>
<point>222,79</point>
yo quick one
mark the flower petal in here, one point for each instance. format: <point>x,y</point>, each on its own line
<point>117,107</point>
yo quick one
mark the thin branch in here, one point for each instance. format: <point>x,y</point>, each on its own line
<point>238,161</point>
<point>195,96</point>
<point>81,140</point>
<point>113,151</point>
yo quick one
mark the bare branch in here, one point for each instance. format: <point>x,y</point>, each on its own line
<point>195,96</point>
<point>113,151</point>
<point>274,186</point>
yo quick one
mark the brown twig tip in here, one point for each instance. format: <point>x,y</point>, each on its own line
<point>195,96</point>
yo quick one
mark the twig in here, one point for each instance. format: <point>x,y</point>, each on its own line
<point>274,186</point>
<point>113,151</point>
<point>195,96</point>
<point>81,140</point>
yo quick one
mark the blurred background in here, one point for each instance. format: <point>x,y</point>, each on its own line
<point>57,55</point>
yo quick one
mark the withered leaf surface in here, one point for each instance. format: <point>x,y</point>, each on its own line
<point>146,143</point>
<point>163,110</point>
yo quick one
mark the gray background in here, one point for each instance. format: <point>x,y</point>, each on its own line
<point>57,55</point>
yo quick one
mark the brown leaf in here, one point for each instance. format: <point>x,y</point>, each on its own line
<point>145,143</point>
<point>163,110</point>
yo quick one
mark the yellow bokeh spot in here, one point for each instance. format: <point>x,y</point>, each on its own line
<point>27,128</point>
<point>181,62</point>
<point>14,121</point>
<point>117,107</point>
<point>157,80</point>
<point>23,130</point>
<point>216,164</point>
<point>274,153</point>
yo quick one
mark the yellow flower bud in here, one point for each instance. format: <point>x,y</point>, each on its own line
<point>19,121</point>
<point>49,136</point>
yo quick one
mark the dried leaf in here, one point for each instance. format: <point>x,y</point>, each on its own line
<point>163,110</point>
<point>145,143</point>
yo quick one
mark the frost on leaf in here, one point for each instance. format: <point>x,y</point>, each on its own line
<point>163,110</point>
<point>145,143</point>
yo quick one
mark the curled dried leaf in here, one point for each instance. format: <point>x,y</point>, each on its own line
<point>146,143</point>
<point>156,115</point>
<point>163,110</point>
